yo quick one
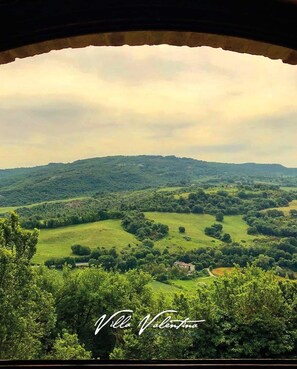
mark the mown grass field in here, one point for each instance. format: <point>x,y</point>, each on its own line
<point>195,225</point>
<point>57,242</point>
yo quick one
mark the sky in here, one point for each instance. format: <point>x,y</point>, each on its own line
<point>202,103</point>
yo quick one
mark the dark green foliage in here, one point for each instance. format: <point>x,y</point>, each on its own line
<point>59,263</point>
<point>181,229</point>
<point>219,217</point>
<point>143,228</point>
<point>275,225</point>
<point>80,250</point>
<point>214,231</point>
<point>27,314</point>
<point>226,238</point>
<point>148,243</point>
<point>274,213</point>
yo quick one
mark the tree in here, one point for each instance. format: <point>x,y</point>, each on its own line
<point>67,347</point>
<point>226,238</point>
<point>80,250</point>
<point>27,313</point>
<point>248,314</point>
<point>197,209</point>
<point>148,243</point>
<point>214,231</point>
<point>181,229</point>
<point>264,262</point>
<point>219,217</point>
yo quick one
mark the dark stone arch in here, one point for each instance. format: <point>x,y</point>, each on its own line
<point>265,27</point>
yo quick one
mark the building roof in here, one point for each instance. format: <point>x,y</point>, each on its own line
<point>182,263</point>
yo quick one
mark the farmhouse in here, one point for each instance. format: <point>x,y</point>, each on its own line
<point>190,268</point>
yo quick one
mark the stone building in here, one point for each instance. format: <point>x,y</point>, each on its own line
<point>190,268</point>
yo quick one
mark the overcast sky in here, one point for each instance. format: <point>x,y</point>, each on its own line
<point>202,103</point>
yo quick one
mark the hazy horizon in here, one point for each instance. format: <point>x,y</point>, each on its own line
<point>202,103</point>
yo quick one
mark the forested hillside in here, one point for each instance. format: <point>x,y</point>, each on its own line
<point>56,181</point>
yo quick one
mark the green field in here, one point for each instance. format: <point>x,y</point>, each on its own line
<point>179,286</point>
<point>57,242</point>
<point>159,287</point>
<point>192,284</point>
<point>195,225</point>
<point>108,233</point>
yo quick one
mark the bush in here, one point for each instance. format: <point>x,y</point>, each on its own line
<point>181,229</point>
<point>80,250</point>
<point>226,238</point>
<point>219,217</point>
<point>60,262</point>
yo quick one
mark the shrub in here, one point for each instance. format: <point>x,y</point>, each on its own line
<point>80,250</point>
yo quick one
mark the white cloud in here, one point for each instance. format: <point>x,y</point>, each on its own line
<point>204,103</point>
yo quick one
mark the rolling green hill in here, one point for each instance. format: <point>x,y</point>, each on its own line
<point>109,233</point>
<point>195,225</point>
<point>57,242</point>
<point>118,173</point>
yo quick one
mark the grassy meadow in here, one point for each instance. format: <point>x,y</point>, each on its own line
<point>57,242</point>
<point>195,225</point>
<point>108,233</point>
<point>179,286</point>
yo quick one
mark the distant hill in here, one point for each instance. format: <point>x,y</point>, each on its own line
<point>118,173</point>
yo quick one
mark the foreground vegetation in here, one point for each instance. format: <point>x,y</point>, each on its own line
<point>217,247</point>
<point>46,314</point>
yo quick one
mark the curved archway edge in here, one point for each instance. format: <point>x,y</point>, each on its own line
<point>267,28</point>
